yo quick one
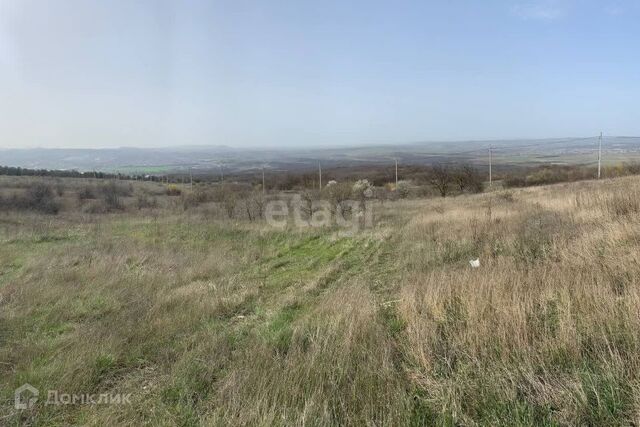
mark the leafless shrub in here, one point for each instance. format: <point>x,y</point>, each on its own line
<point>402,189</point>
<point>337,194</point>
<point>143,201</point>
<point>87,193</point>
<point>38,197</point>
<point>60,187</point>
<point>111,194</point>
<point>306,203</point>
<point>229,202</point>
<point>195,198</point>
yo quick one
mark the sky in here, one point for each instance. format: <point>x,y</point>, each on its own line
<point>86,73</point>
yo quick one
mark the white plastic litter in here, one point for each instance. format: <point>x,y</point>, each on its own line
<point>475,263</point>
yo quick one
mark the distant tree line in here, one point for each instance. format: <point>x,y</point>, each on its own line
<point>18,171</point>
<point>445,179</point>
<point>57,173</point>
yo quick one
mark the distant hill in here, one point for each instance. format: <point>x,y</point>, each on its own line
<point>237,160</point>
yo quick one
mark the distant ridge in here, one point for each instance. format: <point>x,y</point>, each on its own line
<point>210,157</point>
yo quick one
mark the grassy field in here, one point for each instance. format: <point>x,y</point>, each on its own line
<point>233,322</point>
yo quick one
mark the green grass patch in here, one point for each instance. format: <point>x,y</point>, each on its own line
<point>279,331</point>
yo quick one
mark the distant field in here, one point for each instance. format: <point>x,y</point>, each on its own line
<point>212,160</point>
<point>207,320</point>
<point>142,169</point>
<point>590,159</point>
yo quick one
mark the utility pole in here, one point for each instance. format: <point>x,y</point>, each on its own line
<point>396,174</point>
<point>264,189</point>
<point>600,156</point>
<point>490,166</point>
<point>320,175</point>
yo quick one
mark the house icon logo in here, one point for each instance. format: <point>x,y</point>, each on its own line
<point>26,396</point>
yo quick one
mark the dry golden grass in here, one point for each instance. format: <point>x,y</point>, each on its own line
<point>546,332</point>
<point>235,323</point>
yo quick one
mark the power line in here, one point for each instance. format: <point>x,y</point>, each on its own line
<point>396,173</point>
<point>600,155</point>
<point>490,166</point>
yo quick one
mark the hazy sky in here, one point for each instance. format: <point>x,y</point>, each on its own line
<point>306,73</point>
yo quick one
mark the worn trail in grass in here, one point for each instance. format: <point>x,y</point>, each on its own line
<point>181,309</point>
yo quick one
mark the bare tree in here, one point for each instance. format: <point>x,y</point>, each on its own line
<point>441,179</point>
<point>467,178</point>
<point>229,200</point>
<point>475,182</point>
<point>306,203</point>
<point>248,207</point>
<point>260,201</point>
<point>460,179</point>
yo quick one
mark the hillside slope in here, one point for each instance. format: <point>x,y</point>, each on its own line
<point>214,322</point>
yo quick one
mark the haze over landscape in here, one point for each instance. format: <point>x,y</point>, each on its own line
<point>211,159</point>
